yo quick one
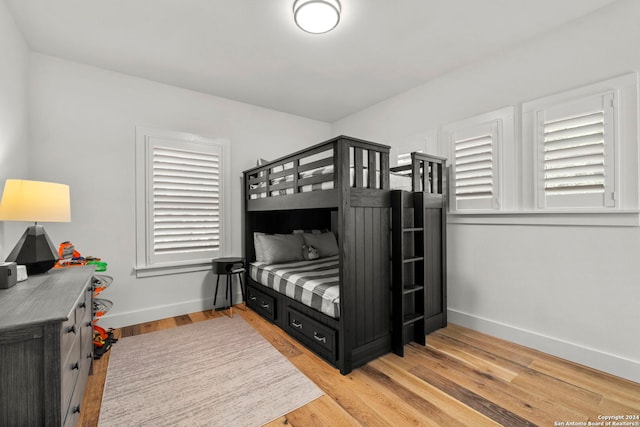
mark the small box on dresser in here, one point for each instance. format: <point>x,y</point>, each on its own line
<point>46,347</point>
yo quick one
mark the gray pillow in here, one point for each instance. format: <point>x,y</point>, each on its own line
<point>325,243</point>
<point>280,247</point>
<point>258,246</point>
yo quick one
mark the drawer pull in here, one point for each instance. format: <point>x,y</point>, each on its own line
<point>89,356</point>
<point>75,366</point>
<point>82,305</point>
<point>296,324</point>
<point>71,329</point>
<point>88,323</point>
<point>76,409</point>
<point>320,338</point>
<point>252,297</point>
<point>264,305</point>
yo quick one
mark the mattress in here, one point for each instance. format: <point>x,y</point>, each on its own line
<point>314,283</point>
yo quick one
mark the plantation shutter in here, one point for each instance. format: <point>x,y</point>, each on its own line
<point>185,189</point>
<point>575,165</point>
<point>475,168</point>
<point>405,158</point>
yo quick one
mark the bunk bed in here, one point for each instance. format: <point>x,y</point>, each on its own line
<point>335,197</point>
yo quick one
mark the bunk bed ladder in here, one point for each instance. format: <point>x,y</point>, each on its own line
<point>408,269</point>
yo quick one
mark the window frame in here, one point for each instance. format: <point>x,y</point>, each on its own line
<point>146,263</point>
<point>605,200</point>
<point>501,125</point>
<point>621,127</point>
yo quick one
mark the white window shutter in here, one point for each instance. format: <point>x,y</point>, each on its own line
<point>475,167</point>
<point>186,200</point>
<point>575,154</point>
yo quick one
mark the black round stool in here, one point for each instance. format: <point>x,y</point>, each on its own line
<point>229,267</point>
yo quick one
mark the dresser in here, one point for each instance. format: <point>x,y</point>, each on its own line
<point>46,347</point>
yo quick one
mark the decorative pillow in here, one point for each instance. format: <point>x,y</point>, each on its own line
<point>281,247</point>
<point>309,252</point>
<point>325,243</point>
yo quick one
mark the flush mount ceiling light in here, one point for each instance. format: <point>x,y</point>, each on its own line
<point>316,16</point>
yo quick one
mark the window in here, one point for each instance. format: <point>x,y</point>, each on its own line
<point>476,146</point>
<point>575,154</point>
<point>580,142</point>
<point>180,199</point>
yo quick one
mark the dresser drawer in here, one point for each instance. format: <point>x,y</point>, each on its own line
<point>318,337</point>
<point>69,331</point>
<point>71,327</point>
<point>69,372</point>
<point>73,410</point>
<point>261,302</point>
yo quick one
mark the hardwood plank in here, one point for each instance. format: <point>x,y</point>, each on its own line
<point>462,377</point>
<point>436,400</point>
<point>492,345</point>
<point>479,360</point>
<point>183,320</point>
<point>532,406</point>
<point>565,393</point>
<point>471,399</point>
<point>322,412</point>
<point>622,391</point>
<point>427,412</point>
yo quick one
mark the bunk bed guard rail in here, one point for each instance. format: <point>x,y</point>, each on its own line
<point>320,167</point>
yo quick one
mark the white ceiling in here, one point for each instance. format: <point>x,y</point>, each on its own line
<point>251,50</point>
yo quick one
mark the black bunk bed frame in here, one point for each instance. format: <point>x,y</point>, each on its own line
<point>358,210</point>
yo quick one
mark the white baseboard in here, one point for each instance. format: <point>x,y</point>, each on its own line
<point>120,319</point>
<point>610,363</point>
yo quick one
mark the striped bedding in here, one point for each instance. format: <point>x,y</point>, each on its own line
<point>313,283</point>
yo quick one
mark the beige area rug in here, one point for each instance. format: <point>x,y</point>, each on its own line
<point>219,372</point>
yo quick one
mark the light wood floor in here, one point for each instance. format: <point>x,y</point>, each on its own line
<point>461,378</point>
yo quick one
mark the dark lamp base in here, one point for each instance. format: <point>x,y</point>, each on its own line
<point>35,251</point>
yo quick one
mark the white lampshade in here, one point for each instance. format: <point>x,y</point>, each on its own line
<point>316,16</point>
<point>35,201</point>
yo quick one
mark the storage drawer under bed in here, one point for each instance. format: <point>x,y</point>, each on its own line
<point>315,335</point>
<point>261,303</point>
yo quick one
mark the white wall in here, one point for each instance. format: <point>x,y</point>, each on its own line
<point>572,291</point>
<point>14,73</point>
<point>83,133</point>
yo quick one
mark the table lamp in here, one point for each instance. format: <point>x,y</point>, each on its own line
<point>35,201</point>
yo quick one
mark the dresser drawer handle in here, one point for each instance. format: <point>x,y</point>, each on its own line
<point>71,329</point>
<point>320,338</point>
<point>264,305</point>
<point>252,297</point>
<point>82,305</point>
<point>76,409</point>
<point>75,366</point>
<point>296,324</point>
